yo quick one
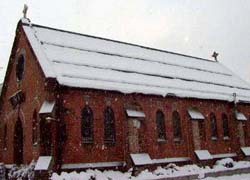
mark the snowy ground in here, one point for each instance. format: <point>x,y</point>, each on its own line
<point>161,172</point>
<point>234,177</point>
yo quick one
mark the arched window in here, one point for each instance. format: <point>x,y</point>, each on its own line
<point>5,136</point>
<point>225,126</point>
<point>214,133</point>
<point>34,127</point>
<point>109,125</point>
<point>20,68</point>
<point>160,122</point>
<point>87,125</point>
<point>176,125</point>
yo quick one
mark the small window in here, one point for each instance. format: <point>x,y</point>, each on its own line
<point>109,125</point>
<point>20,68</point>
<point>87,125</point>
<point>17,98</point>
<point>225,126</point>
<point>5,137</point>
<point>214,133</point>
<point>176,125</point>
<point>160,122</point>
<point>34,128</point>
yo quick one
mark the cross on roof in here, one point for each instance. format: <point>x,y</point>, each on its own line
<point>215,55</point>
<point>25,9</point>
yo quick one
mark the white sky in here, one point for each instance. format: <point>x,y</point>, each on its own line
<point>193,27</point>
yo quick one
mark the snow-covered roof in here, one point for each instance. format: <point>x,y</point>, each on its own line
<point>84,61</point>
<point>43,163</point>
<point>93,165</point>
<point>195,114</point>
<point>135,113</point>
<point>171,160</point>
<point>245,150</point>
<point>203,154</point>
<point>224,155</point>
<point>141,159</point>
<point>47,107</point>
<point>240,116</point>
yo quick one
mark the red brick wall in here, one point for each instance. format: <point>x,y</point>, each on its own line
<point>75,151</point>
<point>33,87</point>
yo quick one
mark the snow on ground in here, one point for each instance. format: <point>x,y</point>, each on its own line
<point>234,177</point>
<point>170,170</point>
<point>23,172</point>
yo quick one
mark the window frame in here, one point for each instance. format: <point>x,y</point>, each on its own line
<point>87,120</point>
<point>109,125</point>
<point>20,67</point>
<point>160,126</point>
<point>225,126</point>
<point>176,120</point>
<point>213,126</point>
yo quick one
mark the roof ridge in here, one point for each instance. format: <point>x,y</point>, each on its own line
<point>121,42</point>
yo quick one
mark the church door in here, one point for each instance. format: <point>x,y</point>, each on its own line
<point>18,142</point>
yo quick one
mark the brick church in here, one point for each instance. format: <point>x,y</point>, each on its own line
<point>91,102</point>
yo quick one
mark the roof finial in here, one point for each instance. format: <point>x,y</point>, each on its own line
<point>215,55</point>
<point>25,9</point>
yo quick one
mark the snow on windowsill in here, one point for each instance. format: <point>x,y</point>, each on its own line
<point>161,140</point>
<point>168,171</point>
<point>109,142</point>
<point>225,155</point>
<point>226,138</point>
<point>214,138</point>
<point>177,140</point>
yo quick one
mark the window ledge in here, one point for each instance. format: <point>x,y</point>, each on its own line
<point>161,140</point>
<point>109,142</point>
<point>214,138</point>
<point>88,142</point>
<point>177,140</point>
<point>226,138</point>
